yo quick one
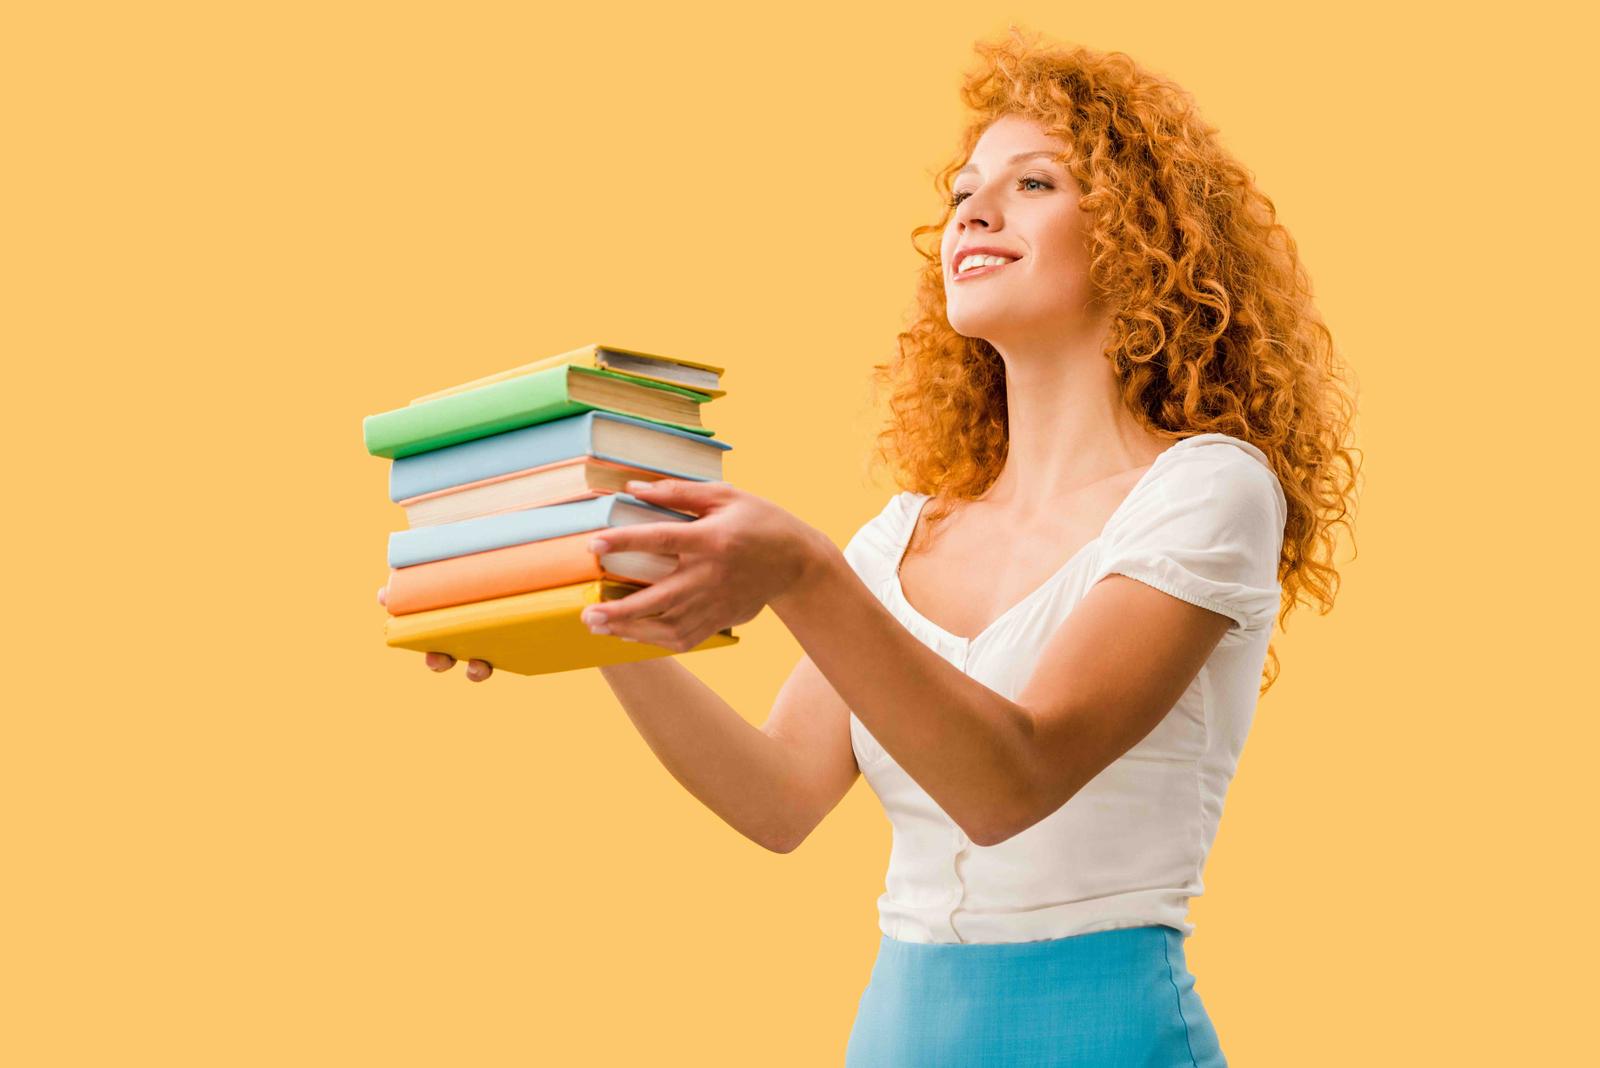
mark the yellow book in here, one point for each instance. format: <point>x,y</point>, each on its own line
<point>685,374</point>
<point>530,633</point>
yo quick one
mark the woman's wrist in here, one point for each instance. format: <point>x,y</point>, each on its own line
<point>822,566</point>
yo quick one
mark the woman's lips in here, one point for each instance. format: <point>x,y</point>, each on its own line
<point>982,270</point>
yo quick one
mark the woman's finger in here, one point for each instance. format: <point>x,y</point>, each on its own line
<point>383,594</point>
<point>440,661</point>
<point>670,538</point>
<point>650,601</point>
<point>478,670</point>
<point>647,629</point>
<point>679,494</point>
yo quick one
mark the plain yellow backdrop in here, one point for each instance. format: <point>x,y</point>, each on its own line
<point>239,830</point>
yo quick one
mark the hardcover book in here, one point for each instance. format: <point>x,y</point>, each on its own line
<point>603,435</point>
<point>530,633</point>
<point>576,479</point>
<point>669,370</point>
<point>426,544</point>
<point>534,565</point>
<point>524,401</point>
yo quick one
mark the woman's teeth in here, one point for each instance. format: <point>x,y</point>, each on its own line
<point>972,262</point>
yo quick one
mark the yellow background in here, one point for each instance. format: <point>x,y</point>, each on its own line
<point>239,830</point>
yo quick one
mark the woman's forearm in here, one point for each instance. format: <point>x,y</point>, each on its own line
<point>965,744</point>
<point>737,770</point>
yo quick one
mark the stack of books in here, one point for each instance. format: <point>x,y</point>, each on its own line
<point>504,480</point>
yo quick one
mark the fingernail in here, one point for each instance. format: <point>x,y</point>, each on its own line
<point>598,545</point>
<point>592,615</point>
<point>599,628</point>
<point>636,486</point>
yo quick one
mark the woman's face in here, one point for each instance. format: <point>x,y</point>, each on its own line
<point>1028,209</point>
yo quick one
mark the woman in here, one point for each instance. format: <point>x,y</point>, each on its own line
<point>1125,437</point>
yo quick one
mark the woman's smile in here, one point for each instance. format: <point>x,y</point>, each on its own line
<point>973,272</point>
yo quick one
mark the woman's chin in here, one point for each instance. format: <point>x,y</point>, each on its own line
<point>988,325</point>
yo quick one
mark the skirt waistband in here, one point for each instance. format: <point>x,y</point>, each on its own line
<point>1114,942</point>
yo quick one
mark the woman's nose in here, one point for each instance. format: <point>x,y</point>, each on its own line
<point>976,210</point>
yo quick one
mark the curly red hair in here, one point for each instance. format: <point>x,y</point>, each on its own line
<point>1213,325</point>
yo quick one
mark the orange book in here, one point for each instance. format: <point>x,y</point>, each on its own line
<point>524,568</point>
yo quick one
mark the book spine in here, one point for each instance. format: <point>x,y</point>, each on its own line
<point>590,459</point>
<point>477,413</point>
<point>422,545</point>
<point>493,409</point>
<point>497,573</point>
<point>474,461</point>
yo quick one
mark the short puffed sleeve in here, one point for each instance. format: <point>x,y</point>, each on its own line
<point>1207,529</point>
<point>873,551</point>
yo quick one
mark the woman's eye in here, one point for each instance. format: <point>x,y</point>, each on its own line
<point>959,197</point>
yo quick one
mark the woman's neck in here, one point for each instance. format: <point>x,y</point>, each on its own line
<point>1068,427</point>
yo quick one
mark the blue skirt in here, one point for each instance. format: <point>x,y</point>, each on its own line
<point>1121,997</point>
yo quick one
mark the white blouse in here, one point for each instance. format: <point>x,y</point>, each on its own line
<point>1205,524</point>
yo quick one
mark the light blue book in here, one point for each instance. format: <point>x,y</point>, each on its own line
<point>423,545</point>
<point>603,435</point>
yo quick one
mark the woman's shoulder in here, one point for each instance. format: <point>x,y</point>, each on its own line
<point>1218,448</point>
<point>1204,491</point>
<point>1216,467</point>
<point>1207,528</point>
<point>874,549</point>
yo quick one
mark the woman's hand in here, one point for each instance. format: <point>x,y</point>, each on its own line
<point>740,554</point>
<point>477,670</point>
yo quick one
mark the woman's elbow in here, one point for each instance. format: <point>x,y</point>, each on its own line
<point>989,834</point>
<point>783,838</point>
<point>1003,824</point>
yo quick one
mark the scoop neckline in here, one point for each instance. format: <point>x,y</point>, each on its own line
<point>916,516</point>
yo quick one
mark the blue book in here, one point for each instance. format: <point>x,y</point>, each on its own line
<point>423,545</point>
<point>603,435</point>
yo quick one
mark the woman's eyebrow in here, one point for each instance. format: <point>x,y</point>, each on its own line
<point>1018,158</point>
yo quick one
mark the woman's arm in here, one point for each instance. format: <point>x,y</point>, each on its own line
<point>1112,670</point>
<point>1107,676</point>
<point>772,784</point>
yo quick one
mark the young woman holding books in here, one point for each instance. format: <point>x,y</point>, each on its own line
<point>1125,436</point>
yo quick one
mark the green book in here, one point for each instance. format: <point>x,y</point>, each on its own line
<point>540,397</point>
